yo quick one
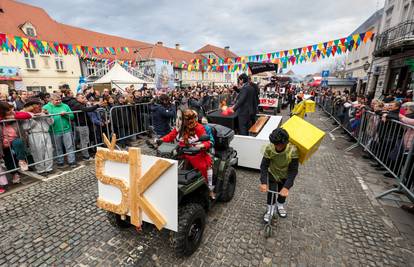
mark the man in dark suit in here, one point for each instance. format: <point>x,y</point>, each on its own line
<point>246,104</point>
<point>257,99</point>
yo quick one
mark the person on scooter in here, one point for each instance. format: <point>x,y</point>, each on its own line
<point>278,168</point>
<point>188,133</point>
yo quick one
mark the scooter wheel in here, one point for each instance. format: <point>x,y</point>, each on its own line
<point>268,231</point>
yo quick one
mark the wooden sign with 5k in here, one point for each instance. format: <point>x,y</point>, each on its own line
<point>140,186</point>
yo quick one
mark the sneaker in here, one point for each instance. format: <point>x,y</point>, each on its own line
<point>367,157</point>
<point>2,190</point>
<point>407,208</point>
<point>281,210</point>
<point>376,165</point>
<point>73,165</point>
<point>60,165</point>
<point>16,178</point>
<point>388,175</point>
<point>23,165</point>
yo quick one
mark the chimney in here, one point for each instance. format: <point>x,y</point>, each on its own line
<point>177,46</point>
<point>159,43</point>
<point>227,48</point>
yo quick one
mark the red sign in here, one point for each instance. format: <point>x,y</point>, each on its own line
<point>268,102</point>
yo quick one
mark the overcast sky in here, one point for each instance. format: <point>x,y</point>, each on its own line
<point>247,26</point>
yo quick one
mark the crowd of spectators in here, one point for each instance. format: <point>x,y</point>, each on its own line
<point>47,128</point>
<point>386,131</point>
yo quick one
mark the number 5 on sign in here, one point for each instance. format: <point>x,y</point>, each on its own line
<point>140,186</point>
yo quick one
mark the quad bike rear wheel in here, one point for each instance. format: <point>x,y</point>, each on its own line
<point>191,224</point>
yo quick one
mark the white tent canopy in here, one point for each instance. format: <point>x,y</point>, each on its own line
<point>119,76</point>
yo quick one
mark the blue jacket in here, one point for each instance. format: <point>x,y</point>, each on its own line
<point>95,117</point>
<point>161,118</point>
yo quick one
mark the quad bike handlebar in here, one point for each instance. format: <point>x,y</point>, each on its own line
<point>173,151</point>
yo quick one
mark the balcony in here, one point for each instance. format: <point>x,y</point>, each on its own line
<point>395,40</point>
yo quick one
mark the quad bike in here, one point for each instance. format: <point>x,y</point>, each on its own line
<point>193,193</point>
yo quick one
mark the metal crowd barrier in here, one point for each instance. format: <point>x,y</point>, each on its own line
<point>128,121</point>
<point>40,144</point>
<point>390,143</point>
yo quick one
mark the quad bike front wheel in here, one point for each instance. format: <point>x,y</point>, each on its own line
<point>116,221</point>
<point>191,224</point>
<point>229,185</point>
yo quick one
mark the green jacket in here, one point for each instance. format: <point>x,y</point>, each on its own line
<point>279,162</point>
<point>61,124</point>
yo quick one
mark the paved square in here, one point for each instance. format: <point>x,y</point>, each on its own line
<point>331,222</point>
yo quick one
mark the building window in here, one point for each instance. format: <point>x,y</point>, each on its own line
<point>405,12</point>
<point>59,62</point>
<point>46,62</point>
<point>97,69</point>
<point>90,68</point>
<point>192,75</point>
<point>30,60</point>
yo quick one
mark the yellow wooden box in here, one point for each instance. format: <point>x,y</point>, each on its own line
<point>304,135</point>
<point>310,106</point>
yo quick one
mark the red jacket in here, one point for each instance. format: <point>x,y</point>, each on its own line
<point>199,131</point>
<point>201,161</point>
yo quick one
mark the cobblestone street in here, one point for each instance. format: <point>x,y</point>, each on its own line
<point>331,222</point>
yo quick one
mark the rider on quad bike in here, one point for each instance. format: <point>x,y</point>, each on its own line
<point>187,133</point>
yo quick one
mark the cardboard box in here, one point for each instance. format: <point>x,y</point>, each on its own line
<point>304,135</point>
<point>310,106</point>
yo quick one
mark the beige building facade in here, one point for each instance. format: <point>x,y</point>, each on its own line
<point>394,49</point>
<point>41,72</point>
<point>358,62</point>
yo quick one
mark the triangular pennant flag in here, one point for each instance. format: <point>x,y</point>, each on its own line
<point>367,36</point>
<point>362,36</point>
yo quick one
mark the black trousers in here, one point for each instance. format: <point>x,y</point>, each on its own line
<point>273,185</point>
<point>244,124</point>
<point>291,105</point>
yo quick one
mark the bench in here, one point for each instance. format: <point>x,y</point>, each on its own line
<point>258,126</point>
